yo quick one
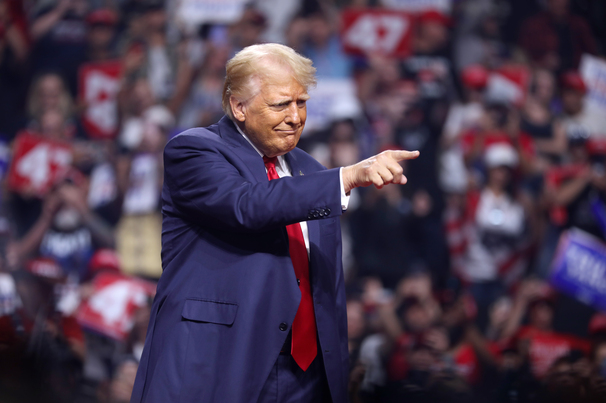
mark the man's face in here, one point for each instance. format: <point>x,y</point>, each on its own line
<point>417,318</point>
<point>572,101</point>
<point>274,118</point>
<point>100,36</point>
<point>435,33</point>
<point>541,316</point>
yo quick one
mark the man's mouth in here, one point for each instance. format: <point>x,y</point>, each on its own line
<point>288,132</point>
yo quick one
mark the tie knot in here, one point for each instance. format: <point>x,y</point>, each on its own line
<point>270,161</point>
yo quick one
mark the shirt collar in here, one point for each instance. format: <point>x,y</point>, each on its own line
<point>247,139</point>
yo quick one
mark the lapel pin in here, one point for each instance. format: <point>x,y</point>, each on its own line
<point>300,173</point>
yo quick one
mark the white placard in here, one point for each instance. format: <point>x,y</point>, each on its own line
<point>195,12</point>
<point>419,6</point>
<point>593,71</point>
<point>332,99</point>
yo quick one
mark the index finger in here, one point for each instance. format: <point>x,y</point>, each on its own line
<point>400,155</point>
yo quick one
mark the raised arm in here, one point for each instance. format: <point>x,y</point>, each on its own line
<point>204,184</point>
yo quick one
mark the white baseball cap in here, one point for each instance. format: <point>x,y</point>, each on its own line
<point>501,154</point>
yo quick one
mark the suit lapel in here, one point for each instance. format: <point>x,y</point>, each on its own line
<point>247,153</point>
<point>254,163</point>
<point>296,166</point>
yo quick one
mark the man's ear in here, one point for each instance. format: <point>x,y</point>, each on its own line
<point>238,109</point>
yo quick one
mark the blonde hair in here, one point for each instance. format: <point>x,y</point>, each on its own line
<point>251,64</point>
<point>34,106</point>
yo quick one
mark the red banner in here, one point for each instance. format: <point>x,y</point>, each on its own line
<point>98,90</point>
<point>387,32</point>
<point>112,307</point>
<point>37,164</point>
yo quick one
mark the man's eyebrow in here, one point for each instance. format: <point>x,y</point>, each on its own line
<point>286,101</point>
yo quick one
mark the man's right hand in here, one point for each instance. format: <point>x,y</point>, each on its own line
<point>379,170</point>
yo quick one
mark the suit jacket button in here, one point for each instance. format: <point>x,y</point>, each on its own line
<point>327,211</point>
<point>283,326</point>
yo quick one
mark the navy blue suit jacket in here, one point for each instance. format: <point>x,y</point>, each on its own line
<point>228,283</point>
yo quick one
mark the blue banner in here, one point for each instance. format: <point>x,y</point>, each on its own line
<point>599,212</point>
<point>579,268</point>
<point>5,153</point>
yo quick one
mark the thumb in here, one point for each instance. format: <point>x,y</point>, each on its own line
<point>404,155</point>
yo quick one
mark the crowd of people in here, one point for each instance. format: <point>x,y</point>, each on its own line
<point>449,298</point>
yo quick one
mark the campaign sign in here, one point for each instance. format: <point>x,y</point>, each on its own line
<point>386,32</point>
<point>593,71</point>
<point>332,99</point>
<point>111,308</point>
<point>5,153</point>
<point>38,163</point>
<point>508,84</point>
<point>419,6</point>
<point>196,12</point>
<point>98,91</point>
<point>579,268</point>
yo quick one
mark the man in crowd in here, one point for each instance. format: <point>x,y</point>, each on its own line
<point>251,304</point>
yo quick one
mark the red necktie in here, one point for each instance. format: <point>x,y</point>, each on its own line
<point>304,346</point>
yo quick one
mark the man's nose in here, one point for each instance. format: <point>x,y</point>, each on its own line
<point>292,114</point>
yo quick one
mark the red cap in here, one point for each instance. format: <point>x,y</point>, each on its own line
<point>572,80</point>
<point>434,16</point>
<point>46,268</point>
<point>475,76</point>
<point>597,323</point>
<point>102,16</point>
<point>104,259</point>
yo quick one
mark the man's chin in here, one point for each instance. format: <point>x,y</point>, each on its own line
<point>285,149</point>
<point>286,145</point>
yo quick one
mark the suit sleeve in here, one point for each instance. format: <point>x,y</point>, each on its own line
<point>206,187</point>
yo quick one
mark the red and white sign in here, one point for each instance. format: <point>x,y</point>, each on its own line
<point>546,347</point>
<point>509,84</point>
<point>387,32</point>
<point>112,307</point>
<point>98,90</point>
<point>38,163</point>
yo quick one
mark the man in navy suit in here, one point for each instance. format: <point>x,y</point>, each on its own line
<point>251,303</point>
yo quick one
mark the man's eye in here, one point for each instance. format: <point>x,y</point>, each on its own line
<point>301,103</point>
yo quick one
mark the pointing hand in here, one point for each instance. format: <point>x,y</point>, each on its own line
<point>379,170</point>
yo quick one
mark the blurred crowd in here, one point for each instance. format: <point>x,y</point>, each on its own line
<point>449,298</point>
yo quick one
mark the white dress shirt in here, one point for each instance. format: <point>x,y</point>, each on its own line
<point>283,170</point>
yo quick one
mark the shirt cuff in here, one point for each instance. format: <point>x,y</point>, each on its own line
<point>344,197</point>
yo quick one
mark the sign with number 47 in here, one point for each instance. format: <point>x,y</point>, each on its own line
<point>387,32</point>
<point>37,164</point>
<point>111,308</point>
